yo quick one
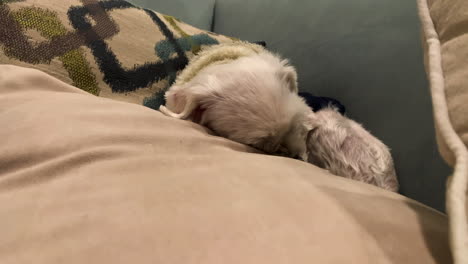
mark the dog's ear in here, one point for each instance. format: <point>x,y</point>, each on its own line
<point>288,75</point>
<point>182,102</point>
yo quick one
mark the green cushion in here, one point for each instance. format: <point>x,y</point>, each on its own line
<point>365,53</point>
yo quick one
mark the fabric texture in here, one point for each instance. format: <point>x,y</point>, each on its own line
<point>108,48</point>
<point>85,179</point>
<point>445,27</point>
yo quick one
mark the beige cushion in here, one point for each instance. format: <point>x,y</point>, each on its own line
<point>445,27</point>
<point>109,48</point>
<point>90,180</point>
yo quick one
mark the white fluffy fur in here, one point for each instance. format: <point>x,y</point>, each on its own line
<point>251,99</point>
<point>346,149</point>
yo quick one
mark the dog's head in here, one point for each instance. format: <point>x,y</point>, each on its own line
<point>252,100</point>
<point>254,104</point>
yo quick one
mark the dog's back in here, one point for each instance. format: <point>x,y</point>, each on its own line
<point>346,149</point>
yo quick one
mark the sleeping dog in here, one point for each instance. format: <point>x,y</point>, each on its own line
<point>245,93</point>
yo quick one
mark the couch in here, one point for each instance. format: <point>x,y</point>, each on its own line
<point>86,179</point>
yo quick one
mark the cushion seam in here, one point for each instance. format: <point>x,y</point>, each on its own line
<point>457,182</point>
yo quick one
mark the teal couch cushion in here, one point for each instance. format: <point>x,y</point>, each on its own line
<point>198,13</point>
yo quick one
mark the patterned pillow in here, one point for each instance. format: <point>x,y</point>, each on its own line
<point>109,48</point>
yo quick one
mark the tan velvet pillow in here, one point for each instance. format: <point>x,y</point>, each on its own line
<point>445,27</point>
<point>108,48</point>
<point>90,180</point>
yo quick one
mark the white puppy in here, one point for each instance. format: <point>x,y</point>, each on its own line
<point>244,93</point>
<point>343,147</point>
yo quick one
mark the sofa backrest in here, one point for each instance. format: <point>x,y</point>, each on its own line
<point>198,13</point>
